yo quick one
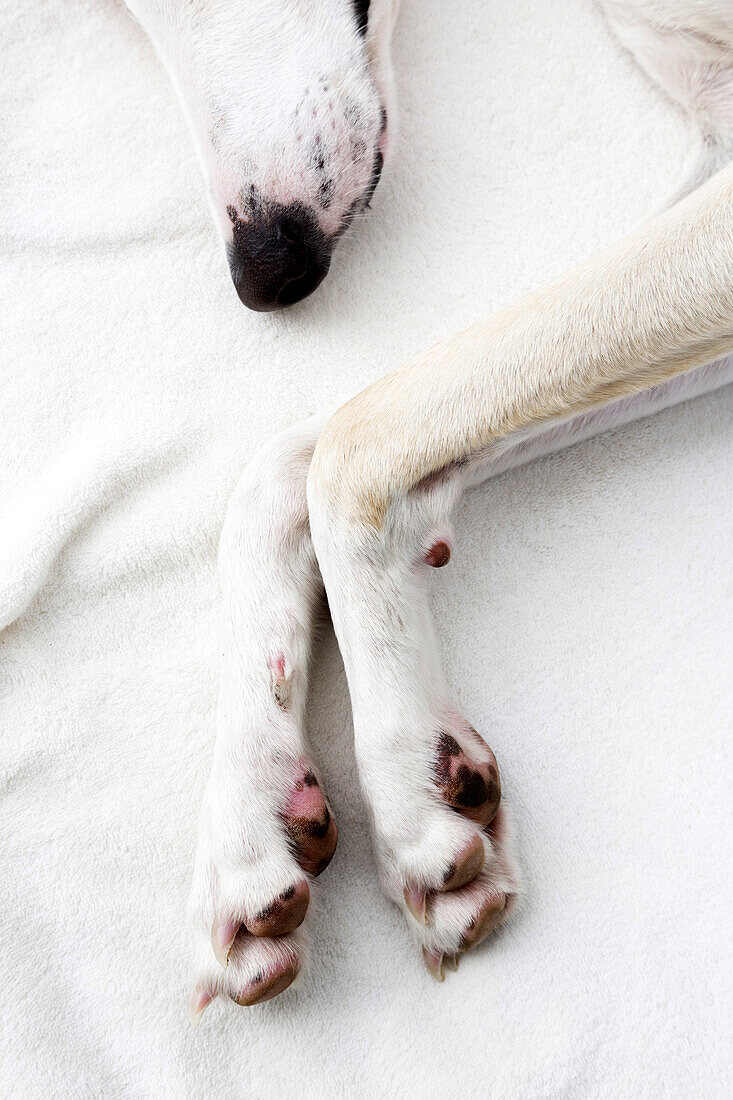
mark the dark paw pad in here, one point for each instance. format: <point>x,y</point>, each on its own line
<point>471,787</point>
<point>284,914</point>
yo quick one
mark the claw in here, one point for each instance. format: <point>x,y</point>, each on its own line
<point>416,900</point>
<point>198,1002</point>
<point>450,962</point>
<point>223,935</point>
<point>434,963</point>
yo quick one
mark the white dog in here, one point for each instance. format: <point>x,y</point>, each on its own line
<point>289,102</point>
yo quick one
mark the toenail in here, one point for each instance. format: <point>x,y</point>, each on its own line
<point>416,900</point>
<point>198,1002</point>
<point>223,935</point>
<point>434,963</point>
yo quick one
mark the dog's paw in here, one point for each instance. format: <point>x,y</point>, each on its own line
<point>262,838</point>
<point>457,918</point>
<point>256,970</point>
<point>443,840</point>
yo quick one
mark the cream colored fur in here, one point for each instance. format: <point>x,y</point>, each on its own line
<point>658,304</point>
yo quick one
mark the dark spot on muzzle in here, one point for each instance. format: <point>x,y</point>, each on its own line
<point>376,173</point>
<point>278,256</point>
<point>361,10</point>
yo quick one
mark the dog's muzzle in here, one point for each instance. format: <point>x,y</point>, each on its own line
<point>278,257</point>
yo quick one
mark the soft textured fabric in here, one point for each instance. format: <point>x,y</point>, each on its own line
<point>585,617</point>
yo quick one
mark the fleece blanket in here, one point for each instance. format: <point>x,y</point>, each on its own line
<point>585,619</point>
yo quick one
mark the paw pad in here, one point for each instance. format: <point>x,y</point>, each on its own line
<point>284,914</point>
<point>470,787</point>
<point>268,984</point>
<point>488,917</point>
<point>309,823</point>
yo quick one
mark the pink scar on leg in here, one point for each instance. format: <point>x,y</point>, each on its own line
<point>280,683</point>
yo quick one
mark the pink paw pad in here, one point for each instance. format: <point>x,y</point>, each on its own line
<point>309,823</point>
<point>465,866</point>
<point>470,787</point>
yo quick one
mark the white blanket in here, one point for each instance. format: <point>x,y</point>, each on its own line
<point>585,617</point>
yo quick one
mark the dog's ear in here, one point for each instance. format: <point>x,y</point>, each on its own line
<point>361,7</point>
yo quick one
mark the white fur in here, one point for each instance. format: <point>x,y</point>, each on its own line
<point>244,859</point>
<point>270,87</point>
<point>686,46</point>
<point>376,581</point>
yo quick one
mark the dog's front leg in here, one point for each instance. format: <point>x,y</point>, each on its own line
<point>441,831</point>
<point>265,826</point>
<point>386,471</point>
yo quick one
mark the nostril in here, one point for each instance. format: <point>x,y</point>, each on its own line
<point>287,233</point>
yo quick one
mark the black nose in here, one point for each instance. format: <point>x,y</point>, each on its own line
<point>278,257</point>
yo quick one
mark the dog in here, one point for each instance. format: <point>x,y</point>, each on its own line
<point>359,502</point>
